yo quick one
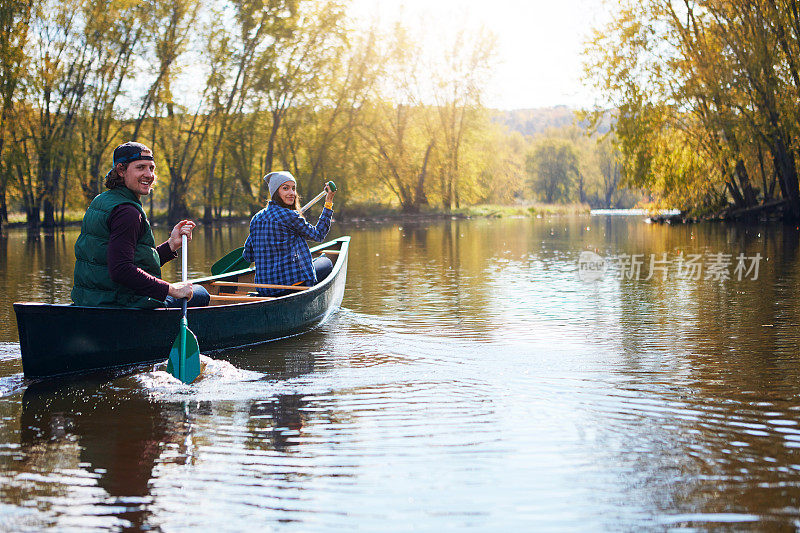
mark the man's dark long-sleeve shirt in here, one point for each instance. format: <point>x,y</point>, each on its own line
<point>125,227</point>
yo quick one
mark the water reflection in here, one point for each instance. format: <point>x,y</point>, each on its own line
<point>116,442</point>
<point>109,452</point>
<point>467,352</point>
<point>276,423</point>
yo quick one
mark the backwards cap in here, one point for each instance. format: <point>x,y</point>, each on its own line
<point>131,151</point>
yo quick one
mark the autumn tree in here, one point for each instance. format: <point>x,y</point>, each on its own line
<point>14,20</point>
<point>113,35</point>
<point>459,83</point>
<point>720,79</point>
<point>317,140</point>
<point>55,86</point>
<point>552,168</point>
<point>399,129</point>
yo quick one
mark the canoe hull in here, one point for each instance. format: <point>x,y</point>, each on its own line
<point>57,339</point>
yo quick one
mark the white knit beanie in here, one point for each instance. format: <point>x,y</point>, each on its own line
<point>276,179</point>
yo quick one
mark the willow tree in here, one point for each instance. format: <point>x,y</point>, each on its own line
<point>259,29</point>
<point>399,129</point>
<point>289,72</point>
<point>402,147</point>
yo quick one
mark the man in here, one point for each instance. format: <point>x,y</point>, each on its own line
<point>117,263</point>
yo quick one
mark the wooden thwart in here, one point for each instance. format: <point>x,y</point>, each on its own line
<point>236,299</point>
<point>257,285</point>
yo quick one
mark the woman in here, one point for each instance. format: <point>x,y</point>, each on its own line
<point>277,240</point>
<point>117,262</point>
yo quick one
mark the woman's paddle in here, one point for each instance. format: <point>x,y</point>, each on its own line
<point>184,357</point>
<point>233,261</point>
<point>331,185</point>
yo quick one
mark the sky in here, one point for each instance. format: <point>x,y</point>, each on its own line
<point>539,42</point>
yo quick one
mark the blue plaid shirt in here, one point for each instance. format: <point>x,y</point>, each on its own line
<point>277,245</point>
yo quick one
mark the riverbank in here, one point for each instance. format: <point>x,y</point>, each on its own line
<point>371,213</point>
<point>773,211</point>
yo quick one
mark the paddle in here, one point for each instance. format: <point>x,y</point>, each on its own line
<point>331,185</point>
<point>184,357</point>
<point>230,262</point>
<point>233,261</point>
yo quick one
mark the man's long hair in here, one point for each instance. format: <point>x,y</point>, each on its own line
<point>113,179</point>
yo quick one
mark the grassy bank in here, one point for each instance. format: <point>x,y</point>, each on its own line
<point>474,211</point>
<point>381,212</point>
<point>523,210</point>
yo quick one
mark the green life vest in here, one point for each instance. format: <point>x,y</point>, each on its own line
<point>92,282</point>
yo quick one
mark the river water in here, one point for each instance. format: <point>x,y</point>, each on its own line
<point>480,375</point>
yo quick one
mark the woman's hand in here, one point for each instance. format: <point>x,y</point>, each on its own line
<point>181,289</point>
<point>184,227</point>
<point>329,195</point>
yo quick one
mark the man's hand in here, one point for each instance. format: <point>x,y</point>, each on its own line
<point>184,227</point>
<point>181,289</point>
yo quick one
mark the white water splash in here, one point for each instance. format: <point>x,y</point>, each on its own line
<point>213,372</point>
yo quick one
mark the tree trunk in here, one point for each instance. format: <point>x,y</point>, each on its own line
<point>273,135</point>
<point>178,208</point>
<point>50,198</point>
<point>49,213</point>
<point>92,189</point>
<point>787,170</point>
<point>420,198</point>
<point>738,199</point>
<point>744,182</point>
<point>767,191</point>
<point>208,198</point>
<point>3,206</point>
<point>32,216</point>
<point>581,191</point>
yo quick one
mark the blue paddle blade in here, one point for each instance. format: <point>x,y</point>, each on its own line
<point>184,357</point>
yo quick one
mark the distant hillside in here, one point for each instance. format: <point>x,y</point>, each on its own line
<point>539,120</point>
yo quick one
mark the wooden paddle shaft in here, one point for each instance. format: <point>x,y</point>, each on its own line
<point>317,198</point>
<point>314,200</point>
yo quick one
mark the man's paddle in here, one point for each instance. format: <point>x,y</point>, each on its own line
<point>233,261</point>
<point>184,357</point>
